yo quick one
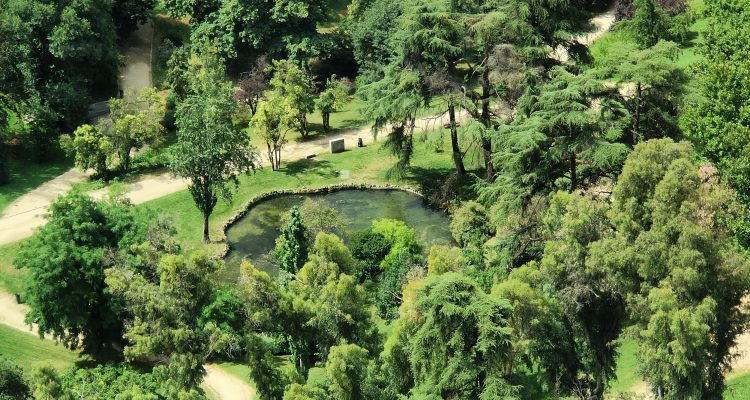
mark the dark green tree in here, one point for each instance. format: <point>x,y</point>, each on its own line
<point>291,247</point>
<point>13,386</point>
<point>649,24</point>
<point>66,259</point>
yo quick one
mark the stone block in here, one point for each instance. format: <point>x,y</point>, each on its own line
<point>336,145</point>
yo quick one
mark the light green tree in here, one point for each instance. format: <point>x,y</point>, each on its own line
<point>211,151</point>
<point>346,368</point>
<point>136,122</point>
<point>295,86</point>
<point>332,98</point>
<point>92,148</point>
<point>273,119</point>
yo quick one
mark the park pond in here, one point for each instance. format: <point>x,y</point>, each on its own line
<point>253,236</point>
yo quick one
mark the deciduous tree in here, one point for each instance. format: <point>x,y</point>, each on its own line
<point>211,151</point>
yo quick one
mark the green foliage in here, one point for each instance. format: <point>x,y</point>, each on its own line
<point>295,86</point>
<point>66,258</point>
<point>452,338</point>
<point>719,120</point>
<point>211,151</point>
<point>121,381</point>
<point>135,123</point>
<point>569,136</point>
<point>65,55</point>
<point>370,249</point>
<point>279,28</point>
<point>319,217</point>
<point>470,225</point>
<point>444,259</point>
<point>273,119</point>
<point>593,306</point>
<point>291,246</point>
<point>687,300</point>
<point>332,98</point>
<point>398,235</point>
<point>92,148</point>
<point>346,368</point>
<point>658,87</point>
<point>163,302</point>
<point>263,371</point>
<point>46,384</point>
<point>13,386</point>
<point>395,268</point>
<point>650,23</point>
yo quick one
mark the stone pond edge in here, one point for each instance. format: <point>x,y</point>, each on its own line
<point>316,190</point>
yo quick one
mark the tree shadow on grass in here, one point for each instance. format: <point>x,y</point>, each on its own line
<point>321,168</point>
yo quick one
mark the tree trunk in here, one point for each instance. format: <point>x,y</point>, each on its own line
<point>486,140</point>
<point>206,238</point>
<point>573,172</point>
<point>457,157</point>
<point>637,113</point>
<point>326,123</point>
<point>126,160</point>
<point>303,125</point>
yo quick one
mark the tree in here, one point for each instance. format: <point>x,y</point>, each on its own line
<point>211,151</point>
<point>291,246</point>
<point>252,85</point>
<point>67,295</point>
<point>263,371</point>
<point>45,383</point>
<point>451,340</point>
<point>295,86</point>
<point>128,14</point>
<point>92,148</point>
<point>717,120</point>
<point>470,225</point>
<point>332,98</point>
<point>571,132</point>
<point>346,368</point>
<point>273,118</point>
<point>163,302</point>
<point>649,24</point>
<point>593,304</point>
<point>658,87</point>
<point>12,384</point>
<point>281,29</point>
<point>395,269</point>
<point>136,122</point>
<point>687,301</point>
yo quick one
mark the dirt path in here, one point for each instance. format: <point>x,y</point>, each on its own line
<point>601,24</point>
<point>136,73</point>
<point>26,213</point>
<point>224,386</point>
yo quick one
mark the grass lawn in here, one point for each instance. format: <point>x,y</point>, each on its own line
<point>26,175</point>
<point>11,279</point>
<point>627,368</point>
<point>29,351</point>
<point>738,388</point>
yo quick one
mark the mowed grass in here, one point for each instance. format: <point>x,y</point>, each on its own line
<point>357,165</point>
<point>29,351</point>
<point>12,280</point>
<point>627,368</point>
<point>26,175</point>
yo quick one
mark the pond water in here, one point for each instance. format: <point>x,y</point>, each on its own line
<point>253,237</point>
